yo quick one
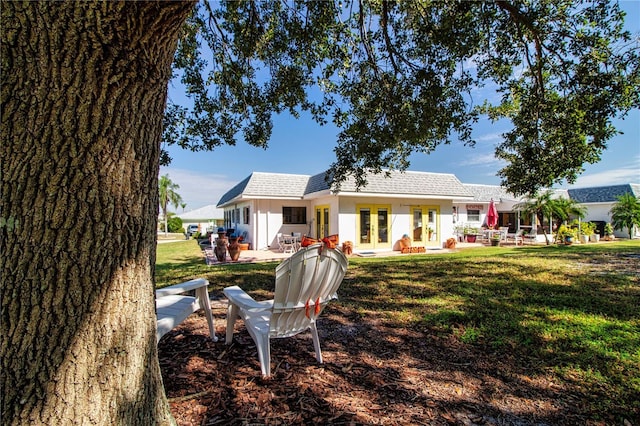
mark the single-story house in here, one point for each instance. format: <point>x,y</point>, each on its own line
<point>208,218</point>
<point>473,214</point>
<point>427,207</point>
<point>373,218</point>
<point>600,200</point>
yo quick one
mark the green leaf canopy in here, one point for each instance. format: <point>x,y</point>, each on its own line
<point>400,77</point>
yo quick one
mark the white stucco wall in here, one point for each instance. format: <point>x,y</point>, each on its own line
<point>266,222</point>
<point>266,218</point>
<point>401,222</point>
<point>600,212</point>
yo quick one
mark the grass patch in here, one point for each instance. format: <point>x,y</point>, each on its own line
<point>570,313</point>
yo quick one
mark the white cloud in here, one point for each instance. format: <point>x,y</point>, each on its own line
<point>629,174</point>
<point>492,138</point>
<point>482,160</point>
<point>198,189</point>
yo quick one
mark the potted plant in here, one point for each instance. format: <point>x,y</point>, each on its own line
<point>405,244</point>
<point>566,235</point>
<point>495,240</point>
<point>429,233</point>
<point>608,232</point>
<point>586,231</point>
<point>458,231</point>
<point>594,234</point>
<point>470,234</point>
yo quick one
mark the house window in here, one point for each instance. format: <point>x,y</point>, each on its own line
<point>473,215</point>
<point>245,215</point>
<point>294,215</point>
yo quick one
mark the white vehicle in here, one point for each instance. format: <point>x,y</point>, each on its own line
<point>192,229</point>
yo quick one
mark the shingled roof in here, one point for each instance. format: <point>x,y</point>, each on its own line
<point>486,193</point>
<point>287,186</point>
<point>267,185</point>
<point>203,213</point>
<point>603,194</point>
<point>410,183</point>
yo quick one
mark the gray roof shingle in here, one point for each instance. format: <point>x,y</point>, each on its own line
<point>396,183</point>
<point>278,185</point>
<point>270,185</point>
<point>603,194</point>
<point>486,193</point>
<point>205,213</point>
<point>410,183</point>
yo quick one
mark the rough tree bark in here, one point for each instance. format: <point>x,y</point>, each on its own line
<point>83,93</point>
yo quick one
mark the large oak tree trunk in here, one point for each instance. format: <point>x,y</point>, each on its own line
<point>83,93</point>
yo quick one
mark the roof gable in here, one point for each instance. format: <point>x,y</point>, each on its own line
<point>234,192</point>
<point>276,185</point>
<point>267,185</point>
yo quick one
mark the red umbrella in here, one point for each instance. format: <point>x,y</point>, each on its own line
<point>492,215</point>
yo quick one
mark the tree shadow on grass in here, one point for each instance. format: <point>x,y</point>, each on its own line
<point>371,375</point>
<point>446,343</point>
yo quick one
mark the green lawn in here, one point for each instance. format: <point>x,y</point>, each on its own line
<point>572,312</point>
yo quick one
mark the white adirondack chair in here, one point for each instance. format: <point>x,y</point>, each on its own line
<point>173,307</point>
<point>305,283</point>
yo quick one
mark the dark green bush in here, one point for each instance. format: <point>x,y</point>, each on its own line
<point>175,224</point>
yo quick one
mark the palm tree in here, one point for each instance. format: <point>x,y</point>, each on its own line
<point>626,213</point>
<point>167,191</point>
<point>564,209</point>
<point>540,206</point>
<point>559,209</point>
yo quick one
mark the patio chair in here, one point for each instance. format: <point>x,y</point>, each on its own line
<point>287,244</point>
<point>517,237</point>
<point>297,240</point>
<point>305,283</point>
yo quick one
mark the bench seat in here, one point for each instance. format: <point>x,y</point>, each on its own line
<point>173,306</point>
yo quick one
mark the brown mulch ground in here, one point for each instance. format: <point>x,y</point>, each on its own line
<point>372,374</point>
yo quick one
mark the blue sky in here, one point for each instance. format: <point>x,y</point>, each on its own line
<point>301,146</point>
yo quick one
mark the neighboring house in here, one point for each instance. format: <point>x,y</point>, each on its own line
<point>474,213</point>
<point>600,200</point>
<point>374,218</point>
<point>208,218</point>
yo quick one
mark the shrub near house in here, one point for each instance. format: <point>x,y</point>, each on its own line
<point>174,224</point>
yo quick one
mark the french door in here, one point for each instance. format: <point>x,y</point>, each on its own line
<point>374,226</point>
<point>322,221</point>
<point>425,225</point>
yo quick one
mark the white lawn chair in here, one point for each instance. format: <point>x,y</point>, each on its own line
<point>287,244</point>
<point>297,240</point>
<point>305,283</point>
<point>173,306</point>
<point>517,237</point>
